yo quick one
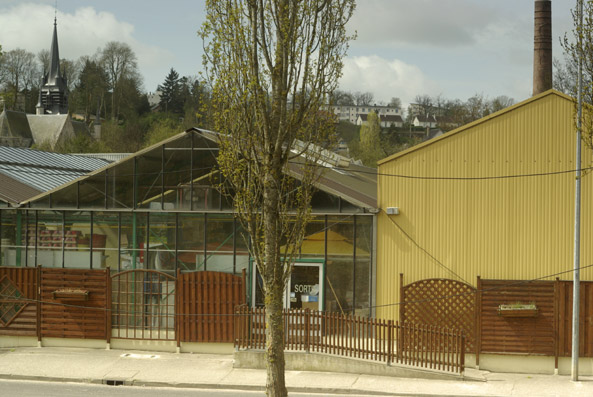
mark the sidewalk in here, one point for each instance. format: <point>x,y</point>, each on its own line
<point>216,371</point>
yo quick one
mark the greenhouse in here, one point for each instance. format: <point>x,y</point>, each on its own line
<point>160,210</point>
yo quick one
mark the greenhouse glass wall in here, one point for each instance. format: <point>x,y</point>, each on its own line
<point>160,209</point>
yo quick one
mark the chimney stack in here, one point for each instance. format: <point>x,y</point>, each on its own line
<point>542,55</point>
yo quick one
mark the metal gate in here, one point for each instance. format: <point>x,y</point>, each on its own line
<point>143,305</point>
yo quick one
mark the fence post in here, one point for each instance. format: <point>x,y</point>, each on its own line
<point>177,310</point>
<point>38,296</point>
<point>478,320</point>
<point>462,355</point>
<point>556,323</point>
<point>389,341</point>
<point>307,329</point>
<point>108,306</point>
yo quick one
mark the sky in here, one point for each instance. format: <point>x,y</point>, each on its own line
<point>404,48</point>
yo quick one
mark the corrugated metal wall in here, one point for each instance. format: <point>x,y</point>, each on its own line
<point>509,228</point>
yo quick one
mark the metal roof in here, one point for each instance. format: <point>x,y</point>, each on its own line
<point>41,171</point>
<point>354,183</point>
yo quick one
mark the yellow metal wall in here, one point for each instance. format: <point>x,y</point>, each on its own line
<point>513,228</point>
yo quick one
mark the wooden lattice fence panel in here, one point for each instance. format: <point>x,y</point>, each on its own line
<point>443,303</point>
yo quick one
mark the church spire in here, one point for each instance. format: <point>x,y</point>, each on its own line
<point>54,57</point>
<point>53,96</point>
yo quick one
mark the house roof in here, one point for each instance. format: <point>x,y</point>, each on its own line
<point>392,118</point>
<point>25,173</point>
<point>468,126</point>
<point>425,119</point>
<point>14,126</point>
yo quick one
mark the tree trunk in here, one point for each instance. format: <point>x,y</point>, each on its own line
<point>274,270</point>
<point>275,385</point>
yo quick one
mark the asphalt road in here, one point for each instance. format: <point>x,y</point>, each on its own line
<point>18,388</point>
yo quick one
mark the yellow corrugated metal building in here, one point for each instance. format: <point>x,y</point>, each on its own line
<point>503,208</point>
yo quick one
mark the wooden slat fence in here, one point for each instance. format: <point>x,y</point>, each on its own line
<point>357,337</point>
<point>526,335</point>
<point>74,317</point>
<point>564,318</point>
<point>206,302</point>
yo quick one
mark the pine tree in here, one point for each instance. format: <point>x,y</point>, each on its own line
<point>171,93</point>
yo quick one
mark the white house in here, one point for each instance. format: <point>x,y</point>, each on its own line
<point>425,121</point>
<point>385,121</point>
<point>350,112</point>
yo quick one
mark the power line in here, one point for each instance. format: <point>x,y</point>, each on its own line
<point>337,168</point>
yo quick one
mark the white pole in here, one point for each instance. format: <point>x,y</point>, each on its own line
<point>577,212</point>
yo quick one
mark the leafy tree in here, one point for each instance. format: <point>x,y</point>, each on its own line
<point>370,148</point>
<point>196,103</point>
<point>160,130</point>
<point>578,46</point>
<point>273,65</point>
<point>171,100</point>
<point>90,90</point>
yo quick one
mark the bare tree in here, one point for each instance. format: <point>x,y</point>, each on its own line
<point>395,102</point>
<point>119,61</point>
<point>363,98</point>
<point>273,65</point>
<point>17,70</point>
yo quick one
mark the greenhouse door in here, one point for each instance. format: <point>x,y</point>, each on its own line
<point>305,287</point>
<point>304,290</point>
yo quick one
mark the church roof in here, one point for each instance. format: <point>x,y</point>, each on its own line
<point>15,129</point>
<point>47,128</point>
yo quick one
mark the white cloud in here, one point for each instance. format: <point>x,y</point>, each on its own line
<point>29,26</point>
<point>385,78</point>
<point>440,23</point>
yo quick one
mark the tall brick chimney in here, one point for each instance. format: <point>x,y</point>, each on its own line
<point>542,55</point>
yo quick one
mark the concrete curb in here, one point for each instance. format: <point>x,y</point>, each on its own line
<point>213,386</point>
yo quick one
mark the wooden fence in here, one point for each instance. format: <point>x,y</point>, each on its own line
<point>546,330</point>
<point>441,302</point>
<point>80,310</point>
<point>357,337</point>
<point>137,304</point>
<point>205,304</point>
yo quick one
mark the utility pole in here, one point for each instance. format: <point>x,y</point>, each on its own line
<point>577,211</point>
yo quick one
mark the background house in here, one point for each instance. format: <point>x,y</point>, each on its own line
<point>351,112</point>
<point>424,121</point>
<point>385,121</point>
<point>494,199</point>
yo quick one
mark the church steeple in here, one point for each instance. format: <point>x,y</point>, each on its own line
<point>54,57</point>
<point>53,95</point>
